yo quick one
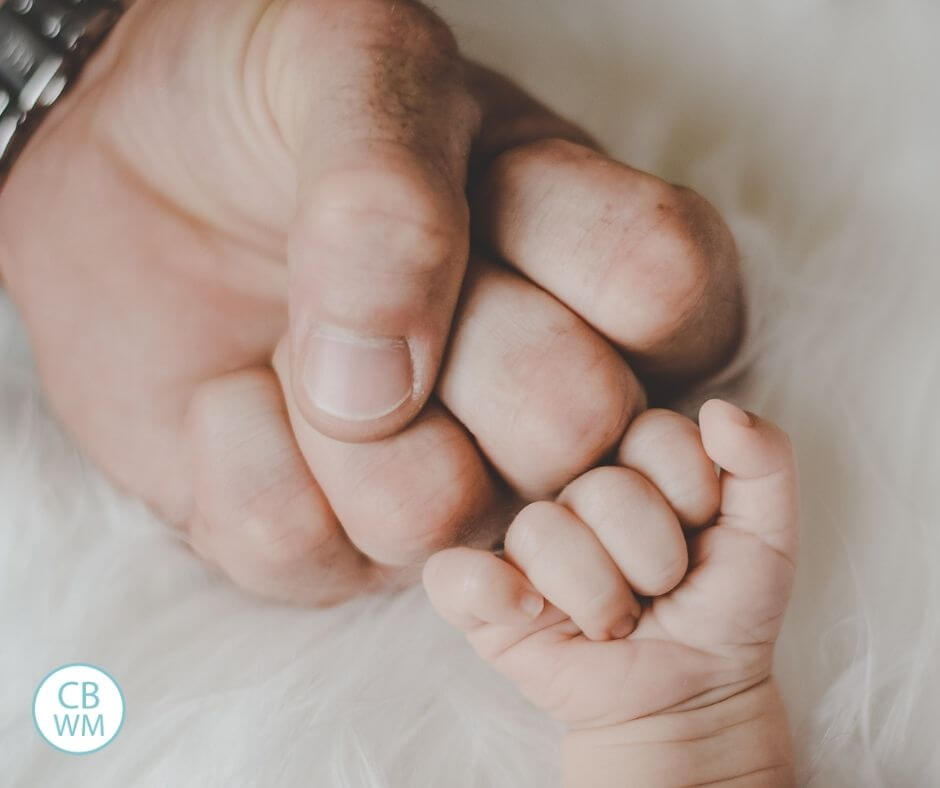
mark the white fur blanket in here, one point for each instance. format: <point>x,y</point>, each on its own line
<point>814,128</point>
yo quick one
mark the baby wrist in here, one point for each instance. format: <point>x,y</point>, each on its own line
<point>743,740</point>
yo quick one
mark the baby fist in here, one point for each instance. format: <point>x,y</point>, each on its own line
<point>610,604</point>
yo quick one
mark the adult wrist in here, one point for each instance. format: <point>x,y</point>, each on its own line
<point>743,740</point>
<point>44,45</point>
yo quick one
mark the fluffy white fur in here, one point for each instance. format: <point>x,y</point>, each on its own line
<point>814,128</point>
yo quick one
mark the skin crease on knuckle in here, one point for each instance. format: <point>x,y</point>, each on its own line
<point>657,254</point>
<point>380,215</point>
<point>659,266</point>
<point>543,395</point>
<point>443,505</point>
<point>667,448</point>
<point>593,420</point>
<point>585,407</point>
<point>543,530</point>
<point>619,495</point>
<point>600,605</point>
<point>528,536</point>
<point>255,501</point>
<point>475,585</point>
<point>266,530</point>
<point>711,301</point>
<point>674,272</point>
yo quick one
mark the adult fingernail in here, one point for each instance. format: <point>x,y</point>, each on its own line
<point>531,604</point>
<point>357,378</point>
<point>623,628</point>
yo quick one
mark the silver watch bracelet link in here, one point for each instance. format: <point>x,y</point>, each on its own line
<point>43,45</point>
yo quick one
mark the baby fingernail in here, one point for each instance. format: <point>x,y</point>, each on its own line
<point>357,378</point>
<point>531,604</point>
<point>738,415</point>
<point>623,628</point>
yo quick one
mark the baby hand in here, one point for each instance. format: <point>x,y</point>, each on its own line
<point>650,636</point>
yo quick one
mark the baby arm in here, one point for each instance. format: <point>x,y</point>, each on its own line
<point>641,608</point>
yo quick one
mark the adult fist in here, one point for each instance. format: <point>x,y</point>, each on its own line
<point>231,173</point>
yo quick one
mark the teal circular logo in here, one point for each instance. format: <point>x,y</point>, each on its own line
<point>78,708</point>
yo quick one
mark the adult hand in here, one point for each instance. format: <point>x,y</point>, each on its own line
<point>231,174</point>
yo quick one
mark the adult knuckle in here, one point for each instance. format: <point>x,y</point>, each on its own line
<point>409,52</point>
<point>279,524</point>
<point>383,217</point>
<point>264,540</point>
<point>412,531</point>
<point>412,22</point>
<point>541,154</point>
<point>662,257</point>
<point>220,478</point>
<point>264,533</point>
<point>440,512</point>
<point>530,173</point>
<point>274,543</point>
<point>210,420</point>
<point>202,416</point>
<point>587,415</point>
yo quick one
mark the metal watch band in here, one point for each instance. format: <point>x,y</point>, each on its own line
<point>43,45</point>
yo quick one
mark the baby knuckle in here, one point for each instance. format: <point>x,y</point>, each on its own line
<point>695,492</point>
<point>476,583</point>
<point>528,535</point>
<point>631,485</point>
<point>663,574</point>
<point>603,605</point>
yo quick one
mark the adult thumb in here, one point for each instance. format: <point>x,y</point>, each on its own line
<point>376,259</point>
<point>379,244</point>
